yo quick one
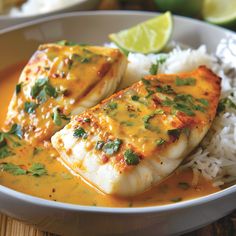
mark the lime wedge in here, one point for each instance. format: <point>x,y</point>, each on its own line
<point>148,37</point>
<point>220,12</point>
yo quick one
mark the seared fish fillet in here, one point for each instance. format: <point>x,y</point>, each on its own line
<point>140,135</point>
<point>62,80</point>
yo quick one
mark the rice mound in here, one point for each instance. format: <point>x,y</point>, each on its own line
<point>215,157</point>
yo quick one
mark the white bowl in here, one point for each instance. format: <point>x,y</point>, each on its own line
<point>82,5</point>
<point>17,44</point>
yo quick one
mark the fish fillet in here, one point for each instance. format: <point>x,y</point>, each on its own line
<point>59,81</point>
<point>134,139</point>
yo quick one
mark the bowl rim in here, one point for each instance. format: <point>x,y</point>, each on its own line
<point>114,210</point>
<point>44,14</point>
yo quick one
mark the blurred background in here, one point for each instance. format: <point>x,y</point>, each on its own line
<point>220,12</point>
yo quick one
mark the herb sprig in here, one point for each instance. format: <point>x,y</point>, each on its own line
<point>36,170</point>
<point>6,137</point>
<point>131,158</point>
<point>42,90</point>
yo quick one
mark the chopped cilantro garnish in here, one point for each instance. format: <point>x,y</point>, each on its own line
<point>37,170</point>
<point>185,103</point>
<point>16,130</point>
<point>174,133</point>
<point>112,147</point>
<point>80,133</point>
<point>162,58</point>
<point>203,102</point>
<point>78,58</point>
<point>99,145</point>
<point>127,123</point>
<point>18,88</point>
<point>184,108</point>
<point>29,107</point>
<point>87,120</point>
<point>146,120</point>
<point>150,93</point>
<point>199,108</point>
<point>13,169</point>
<point>154,68</point>
<point>145,82</point>
<point>224,103</point>
<point>131,158</point>
<point>2,139</point>
<point>160,141</point>
<point>185,82</point>
<point>112,105</point>
<point>42,90</point>
<point>85,60</point>
<point>56,117</point>
<point>5,152</point>
<point>135,98</point>
<point>165,89</point>
<point>66,43</point>
<point>167,102</point>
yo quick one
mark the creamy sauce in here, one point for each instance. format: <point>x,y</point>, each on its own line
<point>60,185</point>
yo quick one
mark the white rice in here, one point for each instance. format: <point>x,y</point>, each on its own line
<point>215,158</point>
<point>33,7</point>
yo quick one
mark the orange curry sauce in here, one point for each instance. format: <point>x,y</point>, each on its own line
<point>60,185</point>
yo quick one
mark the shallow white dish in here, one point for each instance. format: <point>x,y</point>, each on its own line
<point>82,5</point>
<point>18,43</point>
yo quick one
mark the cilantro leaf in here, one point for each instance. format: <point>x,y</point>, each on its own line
<point>175,133</point>
<point>66,43</point>
<point>135,98</point>
<point>29,107</point>
<point>2,139</point>
<point>56,117</point>
<point>13,169</point>
<point>224,103</point>
<point>80,133</point>
<point>131,158</point>
<point>145,82</point>
<point>16,130</point>
<point>112,105</point>
<point>112,147</point>
<point>165,89</point>
<point>18,88</point>
<point>203,101</point>
<point>185,82</point>
<point>42,90</point>
<point>37,170</point>
<point>154,68</point>
<point>99,145</point>
<point>5,152</point>
<point>160,141</point>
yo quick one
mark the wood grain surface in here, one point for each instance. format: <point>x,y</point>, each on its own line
<point>223,227</point>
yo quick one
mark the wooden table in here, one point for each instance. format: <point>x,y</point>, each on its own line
<point>223,227</point>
